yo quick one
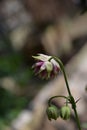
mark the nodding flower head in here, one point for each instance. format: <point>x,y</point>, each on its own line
<point>46,67</point>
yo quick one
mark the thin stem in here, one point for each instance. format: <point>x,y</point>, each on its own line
<point>69,92</point>
<point>63,70</point>
<point>49,102</point>
<point>77,119</point>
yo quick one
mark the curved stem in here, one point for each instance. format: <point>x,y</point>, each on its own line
<point>69,92</point>
<point>49,102</point>
<point>63,70</point>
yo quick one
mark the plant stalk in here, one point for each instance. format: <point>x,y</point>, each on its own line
<point>69,92</point>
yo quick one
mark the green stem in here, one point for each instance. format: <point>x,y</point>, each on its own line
<point>49,102</point>
<point>77,118</point>
<point>63,70</point>
<point>69,92</point>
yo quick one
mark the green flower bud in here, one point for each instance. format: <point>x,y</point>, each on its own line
<point>52,112</point>
<point>65,112</point>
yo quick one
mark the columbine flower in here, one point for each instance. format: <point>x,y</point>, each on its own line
<point>46,67</point>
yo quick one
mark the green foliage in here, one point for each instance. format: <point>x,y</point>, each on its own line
<point>9,64</point>
<point>10,106</point>
<point>12,64</point>
<point>9,101</point>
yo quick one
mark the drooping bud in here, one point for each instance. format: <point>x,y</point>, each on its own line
<point>52,112</point>
<point>65,112</point>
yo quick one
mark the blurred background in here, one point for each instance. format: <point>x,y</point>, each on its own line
<point>52,27</point>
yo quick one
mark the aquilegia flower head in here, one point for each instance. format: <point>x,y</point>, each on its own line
<point>45,66</point>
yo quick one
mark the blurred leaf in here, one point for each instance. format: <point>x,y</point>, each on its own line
<point>11,115</point>
<point>2,124</point>
<point>10,64</point>
<point>6,100</point>
<point>10,103</point>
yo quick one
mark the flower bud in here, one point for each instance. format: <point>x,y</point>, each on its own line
<point>65,112</point>
<point>52,112</point>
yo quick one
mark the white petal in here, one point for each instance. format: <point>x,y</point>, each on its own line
<point>55,63</point>
<point>44,57</point>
